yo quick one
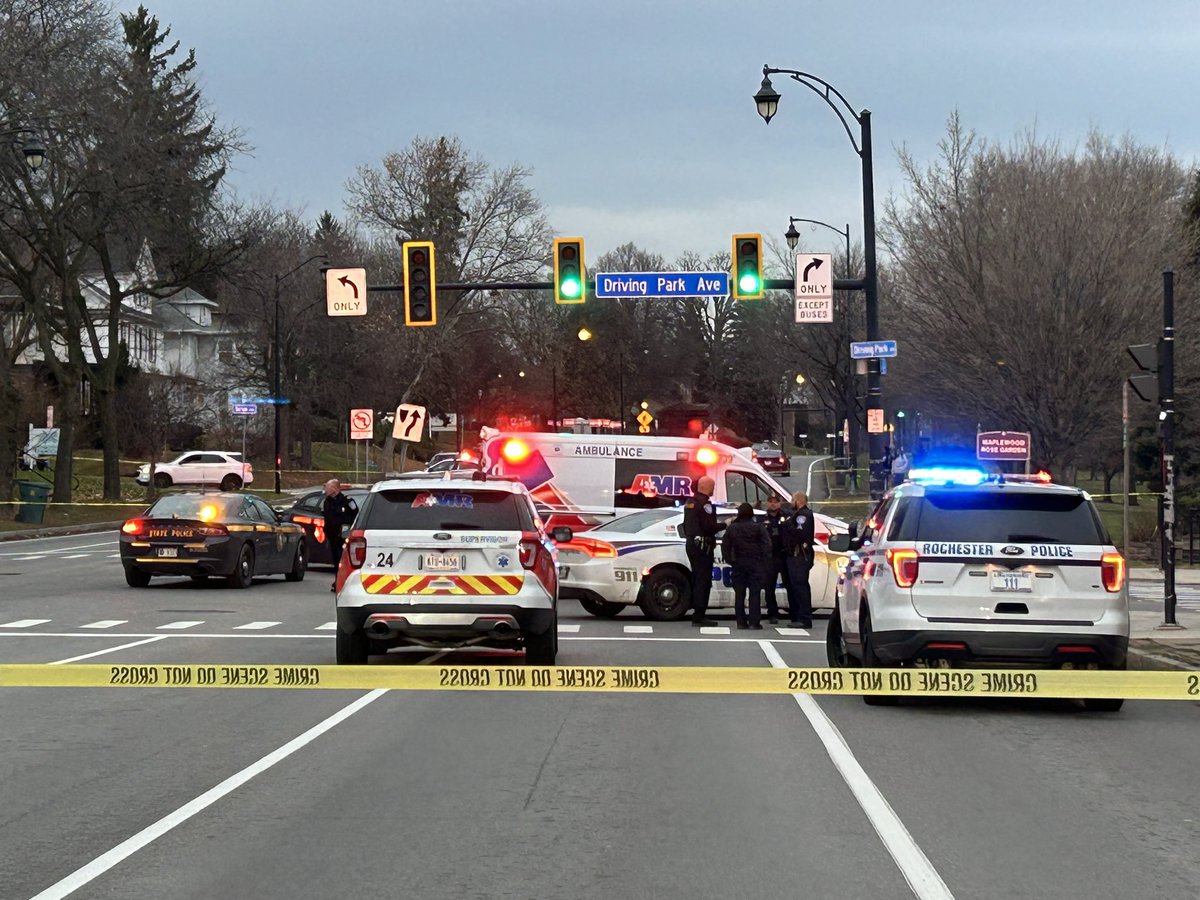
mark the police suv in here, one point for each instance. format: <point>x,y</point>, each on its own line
<point>448,562</point>
<point>956,568</point>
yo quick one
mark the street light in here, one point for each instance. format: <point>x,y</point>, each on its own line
<point>275,345</point>
<point>793,236</point>
<point>585,335</point>
<point>800,379</point>
<point>767,102</point>
<point>33,147</point>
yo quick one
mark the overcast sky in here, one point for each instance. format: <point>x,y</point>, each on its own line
<point>636,116</point>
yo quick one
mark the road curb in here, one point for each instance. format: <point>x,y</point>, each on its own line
<point>1143,657</point>
<point>52,531</point>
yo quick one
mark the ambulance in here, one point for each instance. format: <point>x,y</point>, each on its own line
<point>584,480</point>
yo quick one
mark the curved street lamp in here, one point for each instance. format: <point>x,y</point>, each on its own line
<point>793,236</point>
<point>767,102</point>
<point>32,147</point>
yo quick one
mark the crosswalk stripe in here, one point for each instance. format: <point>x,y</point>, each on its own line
<point>105,623</point>
<point>24,623</point>
<point>639,629</point>
<point>328,626</point>
<point>256,626</point>
<point>790,631</point>
<point>179,626</point>
<point>568,629</point>
<point>714,629</point>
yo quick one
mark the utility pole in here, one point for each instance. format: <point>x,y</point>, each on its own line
<point>1166,394</point>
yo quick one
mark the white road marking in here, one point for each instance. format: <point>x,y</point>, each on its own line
<point>914,865</point>
<point>114,556</point>
<point>60,549</point>
<point>27,558</point>
<point>639,629</point>
<point>76,556</point>
<point>175,626</point>
<point>151,640</point>
<point>328,626</point>
<point>24,623</point>
<point>714,629</point>
<point>792,631</point>
<point>256,626</point>
<point>105,623</point>
<point>808,481</point>
<point>209,635</point>
<point>568,629</point>
<point>101,864</point>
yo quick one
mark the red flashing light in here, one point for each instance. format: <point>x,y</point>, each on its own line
<point>515,451</point>
<point>133,526</point>
<point>905,563</point>
<point>706,456</point>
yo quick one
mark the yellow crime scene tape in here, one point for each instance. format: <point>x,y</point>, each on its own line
<point>1081,684</point>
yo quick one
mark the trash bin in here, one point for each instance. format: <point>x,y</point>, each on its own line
<point>33,497</point>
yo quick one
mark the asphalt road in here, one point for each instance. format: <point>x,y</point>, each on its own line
<point>288,794</point>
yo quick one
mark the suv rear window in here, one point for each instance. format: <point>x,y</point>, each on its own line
<point>1019,517</point>
<point>445,509</point>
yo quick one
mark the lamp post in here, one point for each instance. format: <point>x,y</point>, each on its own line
<point>793,236</point>
<point>275,346</point>
<point>782,397</point>
<point>767,102</point>
<point>32,147</point>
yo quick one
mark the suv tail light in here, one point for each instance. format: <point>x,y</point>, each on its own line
<point>1112,571</point>
<point>592,547</point>
<point>528,549</point>
<point>354,554</point>
<point>539,560</point>
<point>905,563</point>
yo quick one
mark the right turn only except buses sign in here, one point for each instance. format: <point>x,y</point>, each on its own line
<point>999,446</point>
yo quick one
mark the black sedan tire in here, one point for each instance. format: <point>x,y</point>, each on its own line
<point>667,596</point>
<point>230,483</point>
<point>299,564</point>
<point>870,660</point>
<point>135,577</point>
<point>242,575</point>
<point>162,480</point>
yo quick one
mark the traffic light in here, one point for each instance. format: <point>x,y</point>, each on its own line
<point>747,267</point>
<point>569,274</point>
<point>420,284</point>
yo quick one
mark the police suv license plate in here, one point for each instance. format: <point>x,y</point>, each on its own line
<point>1012,581</point>
<point>441,562</point>
<point>168,551</point>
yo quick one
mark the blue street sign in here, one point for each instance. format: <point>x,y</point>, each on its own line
<point>872,349</point>
<point>619,285</point>
<point>245,409</point>
<point>883,366</point>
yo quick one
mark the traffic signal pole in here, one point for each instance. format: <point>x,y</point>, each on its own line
<point>1166,394</point>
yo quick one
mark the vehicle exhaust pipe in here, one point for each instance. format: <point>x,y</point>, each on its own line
<point>379,628</point>
<point>503,630</point>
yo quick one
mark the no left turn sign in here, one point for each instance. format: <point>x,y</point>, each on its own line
<point>362,424</point>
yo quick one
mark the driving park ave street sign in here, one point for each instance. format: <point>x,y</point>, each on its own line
<point>642,285</point>
<point>814,288</point>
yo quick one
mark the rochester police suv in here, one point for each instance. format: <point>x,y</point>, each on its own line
<point>448,562</point>
<point>958,568</point>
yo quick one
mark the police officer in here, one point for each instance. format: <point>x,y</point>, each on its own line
<point>339,511</point>
<point>700,530</point>
<point>776,521</point>
<point>747,548</point>
<point>798,537</point>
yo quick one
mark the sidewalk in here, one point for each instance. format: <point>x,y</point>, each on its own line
<point>38,531</point>
<point>1153,573</point>
<point>1152,647</point>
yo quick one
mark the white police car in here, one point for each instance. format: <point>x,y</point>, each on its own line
<point>639,559</point>
<point>957,568</point>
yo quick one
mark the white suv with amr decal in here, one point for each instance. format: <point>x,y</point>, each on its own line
<point>448,563</point>
<point>953,569</point>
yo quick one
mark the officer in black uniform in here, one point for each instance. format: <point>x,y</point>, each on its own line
<point>338,511</point>
<point>777,520</point>
<point>700,529</point>
<point>798,546</point>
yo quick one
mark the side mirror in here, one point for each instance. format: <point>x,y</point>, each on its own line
<point>679,530</point>
<point>562,534</point>
<point>839,543</point>
<point>855,528</point>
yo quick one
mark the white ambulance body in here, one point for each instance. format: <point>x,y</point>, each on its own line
<point>583,480</point>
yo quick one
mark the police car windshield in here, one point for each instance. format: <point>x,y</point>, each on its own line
<point>635,522</point>
<point>449,510</point>
<point>1020,517</point>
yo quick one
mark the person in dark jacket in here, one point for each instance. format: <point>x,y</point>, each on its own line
<point>776,521</point>
<point>700,530</point>
<point>338,511</point>
<point>798,546</point>
<point>747,550</point>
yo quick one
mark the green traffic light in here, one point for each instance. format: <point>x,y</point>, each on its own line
<point>748,283</point>
<point>569,287</point>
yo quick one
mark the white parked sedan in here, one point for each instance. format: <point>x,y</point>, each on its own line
<point>204,467</point>
<point>639,559</point>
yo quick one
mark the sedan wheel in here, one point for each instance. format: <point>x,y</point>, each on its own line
<point>836,653</point>
<point>243,574</point>
<point>603,609</point>
<point>299,564</point>
<point>667,596</point>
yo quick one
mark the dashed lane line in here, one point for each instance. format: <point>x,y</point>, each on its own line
<point>179,626</point>
<point>24,623</point>
<point>105,623</point>
<point>914,865</point>
<point>328,626</point>
<point>639,629</point>
<point>256,626</point>
<point>568,629</point>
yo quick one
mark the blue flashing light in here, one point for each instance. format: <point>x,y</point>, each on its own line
<point>947,475</point>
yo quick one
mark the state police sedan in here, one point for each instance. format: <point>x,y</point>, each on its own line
<point>232,535</point>
<point>640,559</point>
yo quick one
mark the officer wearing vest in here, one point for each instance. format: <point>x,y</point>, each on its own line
<point>798,540</point>
<point>700,530</point>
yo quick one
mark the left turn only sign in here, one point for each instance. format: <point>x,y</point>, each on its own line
<point>346,292</point>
